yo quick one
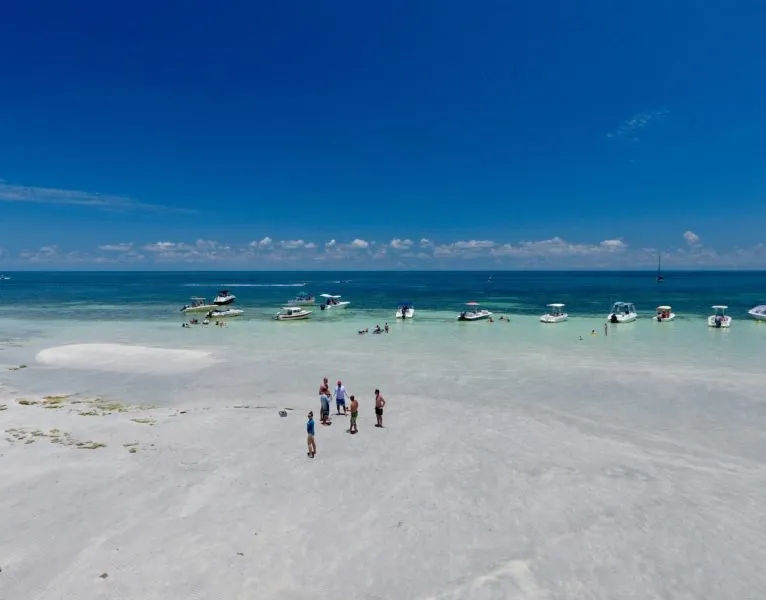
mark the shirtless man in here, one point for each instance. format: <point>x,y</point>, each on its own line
<point>324,399</point>
<point>354,413</point>
<point>380,402</point>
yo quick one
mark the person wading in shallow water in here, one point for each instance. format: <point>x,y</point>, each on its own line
<point>310,433</point>
<point>380,402</point>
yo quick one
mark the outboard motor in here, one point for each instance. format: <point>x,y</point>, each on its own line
<point>322,306</point>
<point>613,317</point>
<point>718,321</point>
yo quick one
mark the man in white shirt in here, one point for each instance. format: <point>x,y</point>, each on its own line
<point>340,397</point>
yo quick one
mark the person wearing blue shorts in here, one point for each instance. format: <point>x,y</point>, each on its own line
<point>340,397</point>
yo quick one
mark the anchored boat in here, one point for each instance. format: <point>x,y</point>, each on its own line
<point>198,304</point>
<point>406,310</point>
<point>719,318</point>
<point>555,313</point>
<point>332,302</point>
<point>223,298</point>
<point>292,313</point>
<point>474,313</point>
<point>665,313</point>
<point>758,312</point>
<point>622,312</point>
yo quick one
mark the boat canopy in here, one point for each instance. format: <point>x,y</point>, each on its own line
<point>472,304</point>
<point>329,296</point>
<point>556,305</point>
<point>719,307</point>
<point>664,307</point>
<point>196,298</point>
<point>622,306</point>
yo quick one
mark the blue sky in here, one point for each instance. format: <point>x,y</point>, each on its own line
<point>410,134</point>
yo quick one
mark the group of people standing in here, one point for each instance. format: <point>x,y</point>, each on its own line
<point>341,395</point>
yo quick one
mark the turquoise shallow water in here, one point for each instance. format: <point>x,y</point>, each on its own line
<point>158,295</point>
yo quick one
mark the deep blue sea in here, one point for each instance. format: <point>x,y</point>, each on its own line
<point>126,295</point>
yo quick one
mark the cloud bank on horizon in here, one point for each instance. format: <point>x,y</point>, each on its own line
<point>398,253</point>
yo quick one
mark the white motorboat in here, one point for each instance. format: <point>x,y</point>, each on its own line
<point>622,312</point>
<point>219,313</point>
<point>758,312</point>
<point>302,299</point>
<point>406,310</point>
<point>198,304</point>
<point>665,313</point>
<point>223,298</point>
<point>333,302</point>
<point>555,313</point>
<point>474,313</point>
<point>292,313</point>
<point>719,318</point>
<point>4,278</point>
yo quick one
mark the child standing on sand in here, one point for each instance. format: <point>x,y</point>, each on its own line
<point>380,402</point>
<point>354,413</point>
<point>310,435</point>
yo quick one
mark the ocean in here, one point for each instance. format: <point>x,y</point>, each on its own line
<point>158,295</point>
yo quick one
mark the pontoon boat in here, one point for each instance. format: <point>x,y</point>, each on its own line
<point>622,312</point>
<point>474,313</point>
<point>665,313</point>
<point>224,297</point>
<point>719,318</point>
<point>333,302</point>
<point>292,313</point>
<point>302,299</point>
<point>555,313</point>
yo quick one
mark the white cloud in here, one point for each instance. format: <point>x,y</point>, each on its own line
<point>399,244</point>
<point>613,245</point>
<point>330,244</point>
<point>691,238</point>
<point>426,243</point>
<point>44,195</point>
<point>264,243</point>
<point>474,244</point>
<point>357,243</point>
<point>122,247</point>
<point>630,127</point>
<point>296,244</point>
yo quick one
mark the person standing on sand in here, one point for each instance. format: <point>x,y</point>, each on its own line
<point>340,397</point>
<point>354,413</point>
<point>380,402</point>
<point>324,399</point>
<point>310,433</point>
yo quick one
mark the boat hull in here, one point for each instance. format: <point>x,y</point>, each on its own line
<point>225,314</point>
<point>200,308</point>
<point>293,317</point>
<point>474,316</point>
<point>336,306</point>
<point>630,317</point>
<point>224,301</point>
<point>408,314</point>
<point>724,323</point>
<point>756,314</point>
<point>554,318</point>
<point>660,319</point>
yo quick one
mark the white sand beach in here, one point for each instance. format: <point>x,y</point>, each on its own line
<point>145,461</point>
